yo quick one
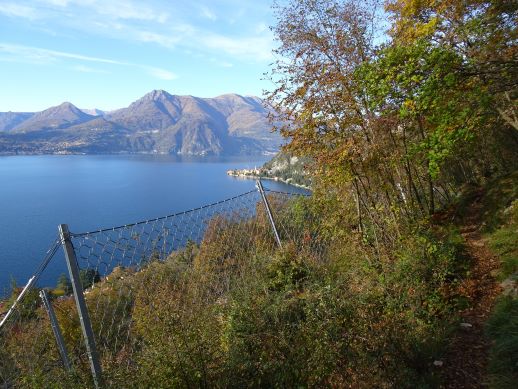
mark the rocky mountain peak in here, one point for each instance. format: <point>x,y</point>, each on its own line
<point>59,116</point>
<point>65,107</point>
<point>157,95</point>
<point>156,123</point>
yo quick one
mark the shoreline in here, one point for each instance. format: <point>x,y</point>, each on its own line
<point>238,174</point>
<point>12,154</point>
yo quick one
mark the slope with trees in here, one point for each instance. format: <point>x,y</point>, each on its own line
<point>389,275</point>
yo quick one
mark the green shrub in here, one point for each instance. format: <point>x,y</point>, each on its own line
<point>504,241</point>
<point>502,328</point>
<point>236,311</point>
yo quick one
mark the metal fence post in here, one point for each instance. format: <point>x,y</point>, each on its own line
<point>260,188</point>
<point>86,325</point>
<point>55,329</point>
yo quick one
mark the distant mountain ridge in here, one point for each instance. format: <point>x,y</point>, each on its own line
<point>9,120</point>
<point>158,122</point>
<point>61,116</point>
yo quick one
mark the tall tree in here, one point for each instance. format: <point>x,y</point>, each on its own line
<point>392,122</point>
<point>483,32</point>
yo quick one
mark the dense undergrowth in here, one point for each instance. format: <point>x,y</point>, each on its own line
<point>318,312</point>
<point>501,227</point>
<point>366,288</point>
<point>328,309</point>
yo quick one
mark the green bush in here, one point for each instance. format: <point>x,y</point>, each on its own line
<point>501,218</point>
<point>502,328</point>
<point>236,311</point>
<point>504,241</point>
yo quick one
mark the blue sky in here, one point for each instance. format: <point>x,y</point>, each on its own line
<point>107,53</point>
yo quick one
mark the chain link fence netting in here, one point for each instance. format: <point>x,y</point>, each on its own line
<point>28,350</point>
<point>155,291</point>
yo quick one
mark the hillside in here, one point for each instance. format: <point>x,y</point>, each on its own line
<point>429,317</point>
<point>61,116</point>
<point>9,120</point>
<point>156,123</point>
<point>400,270</point>
<point>282,167</point>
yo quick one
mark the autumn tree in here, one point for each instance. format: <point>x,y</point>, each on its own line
<point>483,32</point>
<point>393,122</point>
<point>324,110</point>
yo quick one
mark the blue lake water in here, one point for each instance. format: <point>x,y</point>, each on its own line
<point>37,193</point>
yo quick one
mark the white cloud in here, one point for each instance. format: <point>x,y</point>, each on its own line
<point>249,48</point>
<point>128,10</point>
<point>45,54</point>
<point>158,22</point>
<point>87,69</point>
<point>223,64</point>
<point>59,3</point>
<point>207,13</point>
<point>161,74</point>
<point>161,39</point>
<point>115,9</point>
<point>39,56</point>
<point>16,10</point>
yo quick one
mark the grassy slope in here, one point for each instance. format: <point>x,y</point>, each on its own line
<point>484,351</point>
<point>502,327</point>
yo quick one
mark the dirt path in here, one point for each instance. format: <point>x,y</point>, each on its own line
<point>465,363</point>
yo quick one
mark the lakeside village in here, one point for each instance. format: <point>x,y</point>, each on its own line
<point>264,174</point>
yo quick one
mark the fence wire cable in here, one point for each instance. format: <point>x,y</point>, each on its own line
<point>33,280</point>
<point>151,284</point>
<point>162,217</point>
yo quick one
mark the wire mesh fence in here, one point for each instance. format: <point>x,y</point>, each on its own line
<point>152,290</point>
<point>28,350</point>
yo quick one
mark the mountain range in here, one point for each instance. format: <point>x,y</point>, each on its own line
<point>156,123</point>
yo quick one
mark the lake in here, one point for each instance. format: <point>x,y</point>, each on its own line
<point>88,192</point>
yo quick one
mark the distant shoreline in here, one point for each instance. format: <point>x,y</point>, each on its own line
<point>255,174</point>
<point>66,152</point>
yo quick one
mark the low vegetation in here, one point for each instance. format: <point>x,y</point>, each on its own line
<point>409,140</point>
<point>225,313</point>
<point>501,228</point>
